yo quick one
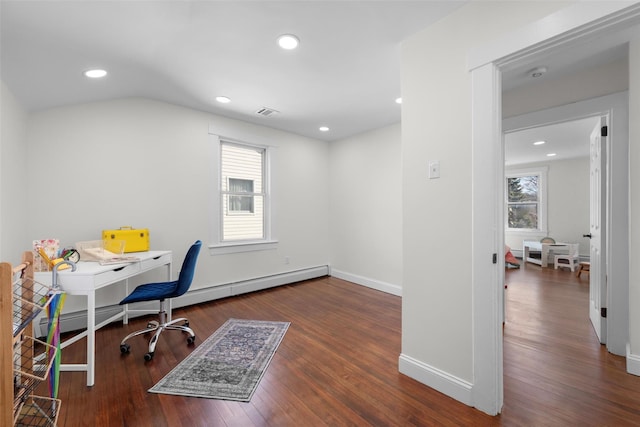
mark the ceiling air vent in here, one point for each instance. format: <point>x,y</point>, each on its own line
<point>267,112</point>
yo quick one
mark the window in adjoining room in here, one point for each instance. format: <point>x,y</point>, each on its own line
<point>526,201</point>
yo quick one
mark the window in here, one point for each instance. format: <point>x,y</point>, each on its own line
<point>241,203</point>
<point>243,193</point>
<point>526,200</point>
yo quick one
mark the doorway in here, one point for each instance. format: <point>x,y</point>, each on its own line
<point>486,68</point>
<point>579,119</point>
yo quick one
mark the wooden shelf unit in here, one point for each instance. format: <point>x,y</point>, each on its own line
<point>24,361</point>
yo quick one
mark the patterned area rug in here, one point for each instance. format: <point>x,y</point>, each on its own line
<point>229,364</point>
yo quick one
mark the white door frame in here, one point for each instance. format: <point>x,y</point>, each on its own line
<point>572,25</point>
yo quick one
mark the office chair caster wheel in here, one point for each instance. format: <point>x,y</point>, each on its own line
<point>148,356</point>
<point>125,348</point>
<point>191,340</point>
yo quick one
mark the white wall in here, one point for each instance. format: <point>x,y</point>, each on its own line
<point>148,164</point>
<point>13,174</point>
<point>567,204</point>
<point>365,209</point>
<point>437,327</point>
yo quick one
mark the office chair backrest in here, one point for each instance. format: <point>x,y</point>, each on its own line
<point>188,269</point>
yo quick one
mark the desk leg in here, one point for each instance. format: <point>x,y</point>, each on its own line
<point>545,255</point>
<point>125,307</point>
<point>525,254</point>
<point>170,305</point>
<point>91,338</point>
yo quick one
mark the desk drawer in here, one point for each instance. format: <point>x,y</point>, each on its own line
<point>81,283</point>
<point>116,274</point>
<point>151,263</point>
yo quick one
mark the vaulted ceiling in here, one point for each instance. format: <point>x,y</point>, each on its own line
<point>344,75</point>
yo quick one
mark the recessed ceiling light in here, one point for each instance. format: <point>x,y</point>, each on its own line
<point>539,142</point>
<point>398,100</point>
<point>323,129</point>
<point>288,41</point>
<point>95,74</point>
<point>223,99</point>
<point>551,154</point>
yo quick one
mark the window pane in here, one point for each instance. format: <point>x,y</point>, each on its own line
<point>241,204</point>
<point>522,189</point>
<point>240,185</point>
<point>523,215</point>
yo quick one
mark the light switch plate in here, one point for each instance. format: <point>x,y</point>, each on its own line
<point>434,169</point>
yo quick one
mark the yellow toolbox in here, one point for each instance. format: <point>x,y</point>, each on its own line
<point>136,239</point>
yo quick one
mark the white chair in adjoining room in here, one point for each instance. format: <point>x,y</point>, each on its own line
<point>570,259</point>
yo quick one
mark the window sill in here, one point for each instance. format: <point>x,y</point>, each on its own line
<point>526,231</point>
<point>237,247</point>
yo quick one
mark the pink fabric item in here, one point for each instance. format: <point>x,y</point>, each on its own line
<point>508,256</point>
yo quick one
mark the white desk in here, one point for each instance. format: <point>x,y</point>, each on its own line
<point>543,248</point>
<point>91,276</point>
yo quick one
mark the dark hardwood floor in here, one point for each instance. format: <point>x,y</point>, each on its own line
<point>338,365</point>
<point>555,370</point>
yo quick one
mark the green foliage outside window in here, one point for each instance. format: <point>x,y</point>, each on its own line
<point>523,201</point>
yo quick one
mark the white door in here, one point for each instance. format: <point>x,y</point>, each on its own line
<point>597,276</point>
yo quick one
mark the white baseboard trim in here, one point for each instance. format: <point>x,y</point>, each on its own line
<point>633,362</point>
<point>370,283</point>
<point>441,381</point>
<point>78,320</point>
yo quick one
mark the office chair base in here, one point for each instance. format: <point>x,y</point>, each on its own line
<point>157,328</point>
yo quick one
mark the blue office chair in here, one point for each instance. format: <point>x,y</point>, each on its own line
<point>162,291</point>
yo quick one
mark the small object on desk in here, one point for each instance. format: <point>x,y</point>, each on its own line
<point>50,248</point>
<point>44,256</point>
<point>136,239</point>
<point>52,262</point>
<point>99,250</point>
<point>57,261</point>
<point>71,255</point>
<point>119,260</point>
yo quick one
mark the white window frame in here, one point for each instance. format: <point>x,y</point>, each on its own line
<point>542,173</point>
<point>217,246</point>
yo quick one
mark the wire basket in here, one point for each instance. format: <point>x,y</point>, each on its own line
<point>38,411</point>
<point>32,360</point>
<point>29,299</point>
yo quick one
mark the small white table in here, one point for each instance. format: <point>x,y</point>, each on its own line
<point>91,276</point>
<point>543,248</point>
